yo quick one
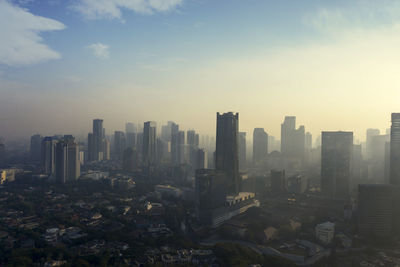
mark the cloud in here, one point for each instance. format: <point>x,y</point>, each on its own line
<point>112,9</point>
<point>20,30</point>
<point>100,50</point>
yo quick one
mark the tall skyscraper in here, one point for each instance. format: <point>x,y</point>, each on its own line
<point>292,139</point>
<point>49,155</point>
<point>336,155</point>
<point>119,144</point>
<point>242,151</point>
<point>96,141</point>
<point>260,145</point>
<point>149,143</point>
<point>67,160</point>
<point>395,150</point>
<point>177,145</point>
<point>131,140</point>
<point>227,149</point>
<point>36,147</point>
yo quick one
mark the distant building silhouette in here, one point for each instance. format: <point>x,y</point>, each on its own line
<point>292,139</point>
<point>96,142</point>
<point>336,154</point>
<point>278,181</point>
<point>119,144</point>
<point>149,143</point>
<point>36,147</point>
<point>242,151</point>
<point>48,153</point>
<point>227,150</point>
<point>260,145</point>
<point>370,134</point>
<point>67,160</point>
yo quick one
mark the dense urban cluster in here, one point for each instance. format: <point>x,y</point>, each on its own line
<point>172,197</point>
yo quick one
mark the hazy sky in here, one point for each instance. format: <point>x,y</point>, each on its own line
<point>333,64</point>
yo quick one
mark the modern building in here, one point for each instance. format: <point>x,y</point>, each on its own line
<point>336,158</point>
<point>130,160</point>
<point>376,204</point>
<point>49,155</point>
<point>178,146</point>
<point>131,140</point>
<point>227,149</point>
<point>395,150</point>
<point>96,141</point>
<point>325,232</point>
<point>149,143</point>
<point>119,144</point>
<point>292,139</point>
<point>67,160</point>
<point>260,145</point>
<point>130,127</point>
<point>242,151</point>
<point>370,134</point>
<point>297,184</point>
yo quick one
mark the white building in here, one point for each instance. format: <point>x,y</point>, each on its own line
<point>325,232</point>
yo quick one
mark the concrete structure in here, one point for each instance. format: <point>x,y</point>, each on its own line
<point>227,149</point>
<point>395,150</point>
<point>278,181</point>
<point>119,144</point>
<point>149,143</point>
<point>67,160</point>
<point>336,156</point>
<point>260,145</point>
<point>242,151</point>
<point>36,147</point>
<point>48,156</point>
<point>325,232</point>
<point>292,139</point>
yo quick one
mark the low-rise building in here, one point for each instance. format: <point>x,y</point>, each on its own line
<point>325,232</point>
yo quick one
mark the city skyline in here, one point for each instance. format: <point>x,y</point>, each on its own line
<point>319,61</point>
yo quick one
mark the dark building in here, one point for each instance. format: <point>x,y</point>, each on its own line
<point>227,149</point>
<point>242,151</point>
<point>36,147</point>
<point>131,140</point>
<point>49,155</point>
<point>376,203</point>
<point>96,141</point>
<point>177,146</point>
<point>149,143</point>
<point>292,139</point>
<point>336,156</point>
<point>260,145</point>
<point>297,184</point>
<point>278,181</point>
<point>210,192</point>
<point>395,150</point>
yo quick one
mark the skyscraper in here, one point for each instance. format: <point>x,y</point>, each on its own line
<point>395,150</point>
<point>67,160</point>
<point>227,150</point>
<point>336,154</point>
<point>119,144</point>
<point>370,134</point>
<point>49,155</point>
<point>242,151</point>
<point>96,141</point>
<point>149,143</point>
<point>260,145</point>
<point>130,128</point>
<point>292,139</point>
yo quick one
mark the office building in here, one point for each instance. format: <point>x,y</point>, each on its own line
<point>227,149</point>
<point>260,145</point>
<point>292,139</point>
<point>278,181</point>
<point>67,160</point>
<point>395,150</point>
<point>149,143</point>
<point>96,141</point>
<point>130,128</point>
<point>48,156</point>
<point>131,140</point>
<point>376,204</point>
<point>177,146</point>
<point>242,151</point>
<point>370,133</point>
<point>336,157</point>
<point>119,144</point>
<point>130,160</point>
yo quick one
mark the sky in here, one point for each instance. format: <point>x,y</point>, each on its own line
<point>333,64</point>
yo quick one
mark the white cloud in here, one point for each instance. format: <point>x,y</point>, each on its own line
<point>111,9</point>
<point>100,50</point>
<point>20,42</point>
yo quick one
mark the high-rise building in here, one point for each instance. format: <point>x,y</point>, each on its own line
<point>2,152</point>
<point>177,146</point>
<point>36,147</point>
<point>96,141</point>
<point>376,210</point>
<point>149,143</point>
<point>370,133</point>
<point>308,142</point>
<point>119,144</point>
<point>130,160</point>
<point>49,155</point>
<point>260,145</point>
<point>336,157</point>
<point>201,161</point>
<point>227,149</point>
<point>242,151</point>
<point>376,162</point>
<point>395,150</point>
<point>292,139</point>
<point>131,140</point>
<point>67,160</point>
